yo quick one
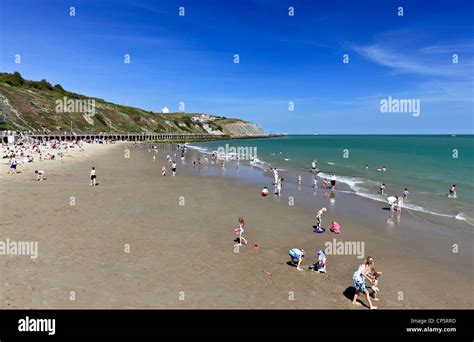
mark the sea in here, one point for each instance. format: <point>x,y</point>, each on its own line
<point>427,165</point>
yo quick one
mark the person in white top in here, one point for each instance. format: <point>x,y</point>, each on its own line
<point>93,177</point>
<point>275,175</point>
<point>173,168</point>
<point>39,175</point>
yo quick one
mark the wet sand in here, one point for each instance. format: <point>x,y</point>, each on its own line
<point>140,240</point>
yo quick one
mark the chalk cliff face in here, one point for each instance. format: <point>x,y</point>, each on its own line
<point>242,129</point>
<point>31,105</point>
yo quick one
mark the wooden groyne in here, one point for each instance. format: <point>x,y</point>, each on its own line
<point>9,136</point>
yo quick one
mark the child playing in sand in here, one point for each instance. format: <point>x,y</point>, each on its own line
<point>39,175</point>
<point>240,231</point>
<point>363,272</point>
<point>319,218</point>
<point>163,170</point>
<point>335,227</point>
<point>264,192</point>
<point>374,285</point>
<point>93,177</point>
<point>325,183</point>
<point>315,183</point>
<point>297,257</point>
<point>320,265</point>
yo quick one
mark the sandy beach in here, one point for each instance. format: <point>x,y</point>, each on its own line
<point>141,240</point>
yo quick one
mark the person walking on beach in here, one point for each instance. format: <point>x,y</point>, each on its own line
<point>382,189</point>
<point>359,277</point>
<point>313,166</point>
<point>39,175</point>
<point>299,180</point>
<point>93,177</point>
<point>297,256</point>
<point>163,170</point>
<point>240,232</point>
<point>278,186</point>
<point>13,165</point>
<point>319,218</point>
<point>275,175</point>
<point>315,183</point>
<point>333,181</point>
<point>173,168</point>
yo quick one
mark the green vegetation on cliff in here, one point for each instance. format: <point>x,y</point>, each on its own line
<point>38,105</point>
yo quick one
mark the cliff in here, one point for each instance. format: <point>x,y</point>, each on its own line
<point>37,105</point>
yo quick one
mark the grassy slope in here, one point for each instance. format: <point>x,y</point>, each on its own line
<point>36,108</point>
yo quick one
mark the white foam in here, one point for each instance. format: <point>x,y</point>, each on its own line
<point>355,182</point>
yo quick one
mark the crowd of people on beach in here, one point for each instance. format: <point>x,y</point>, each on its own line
<point>29,149</point>
<point>365,272</point>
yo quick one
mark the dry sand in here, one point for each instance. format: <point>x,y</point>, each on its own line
<point>183,256</point>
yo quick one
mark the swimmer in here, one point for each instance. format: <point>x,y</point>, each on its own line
<point>452,191</point>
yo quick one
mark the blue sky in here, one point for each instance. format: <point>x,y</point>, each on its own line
<point>282,58</point>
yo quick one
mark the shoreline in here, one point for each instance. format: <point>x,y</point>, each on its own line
<point>189,248</point>
<point>348,183</point>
